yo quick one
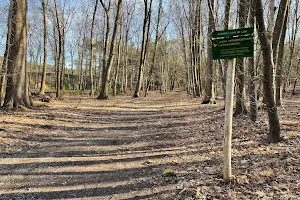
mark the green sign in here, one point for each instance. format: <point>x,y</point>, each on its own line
<point>235,47</point>
<point>233,32</point>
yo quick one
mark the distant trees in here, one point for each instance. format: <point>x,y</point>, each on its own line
<point>170,49</point>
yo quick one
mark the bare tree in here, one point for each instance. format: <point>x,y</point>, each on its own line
<point>145,41</point>
<point>45,60</point>
<point>274,126</point>
<point>157,37</point>
<point>92,92</point>
<point>108,64</point>
<point>251,69</point>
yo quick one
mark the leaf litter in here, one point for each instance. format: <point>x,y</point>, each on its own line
<point>123,148</point>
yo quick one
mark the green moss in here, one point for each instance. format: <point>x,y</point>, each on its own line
<point>169,173</point>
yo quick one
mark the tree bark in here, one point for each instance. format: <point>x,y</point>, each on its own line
<point>146,35</point>
<point>240,72</point>
<point>107,67</point>
<point>92,92</point>
<point>157,37</point>
<point>280,62</point>
<point>251,70</point>
<point>118,62</point>
<point>295,27</point>
<point>209,97</point>
<point>274,126</point>
<point>45,60</point>
<point>17,89</point>
<point>5,57</point>
<point>59,62</point>
<point>279,27</point>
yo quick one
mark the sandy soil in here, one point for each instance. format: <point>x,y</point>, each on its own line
<point>82,148</point>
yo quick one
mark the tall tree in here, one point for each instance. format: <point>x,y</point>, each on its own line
<point>251,69</point>
<point>92,92</point>
<point>209,97</point>
<point>157,37</point>
<point>144,48</point>
<point>17,89</point>
<point>274,126</point>
<point>59,54</point>
<point>45,20</point>
<point>108,64</point>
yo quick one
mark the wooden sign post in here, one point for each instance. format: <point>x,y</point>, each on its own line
<point>231,44</point>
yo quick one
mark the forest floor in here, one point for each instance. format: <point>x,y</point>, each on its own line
<point>159,147</point>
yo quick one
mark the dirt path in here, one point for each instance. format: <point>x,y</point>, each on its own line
<point>119,149</point>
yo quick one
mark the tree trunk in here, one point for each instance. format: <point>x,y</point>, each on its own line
<point>118,63</point>
<point>295,26</point>
<point>251,70</point>
<point>240,72</point>
<point>296,79</point>
<point>92,92</point>
<point>279,27</point>
<point>5,57</point>
<point>157,37</point>
<point>209,97</point>
<point>16,90</point>
<point>108,64</point>
<point>271,17</point>
<point>279,68</point>
<point>274,126</point>
<point>146,35</point>
<point>59,62</point>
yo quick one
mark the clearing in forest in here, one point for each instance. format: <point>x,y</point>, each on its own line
<point>159,147</point>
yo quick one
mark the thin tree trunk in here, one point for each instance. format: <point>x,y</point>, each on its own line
<point>92,92</point>
<point>295,26</point>
<point>279,27</point>
<point>279,68</point>
<point>58,69</point>
<point>296,79</point>
<point>157,37</point>
<point>118,63</point>
<point>5,57</point>
<point>251,66</point>
<point>240,72</point>
<point>146,35</point>
<point>274,126</point>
